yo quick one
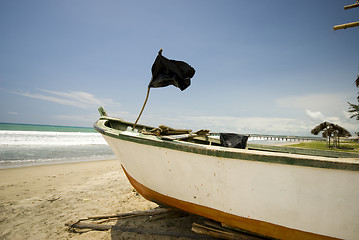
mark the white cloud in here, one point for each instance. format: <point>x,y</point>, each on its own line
<point>326,103</point>
<point>82,97</point>
<point>245,125</point>
<point>346,114</point>
<point>301,126</point>
<point>77,99</point>
<point>331,107</point>
<point>316,116</point>
<point>13,113</point>
<point>85,120</point>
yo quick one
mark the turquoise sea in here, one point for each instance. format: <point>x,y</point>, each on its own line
<point>28,144</point>
<point>46,128</point>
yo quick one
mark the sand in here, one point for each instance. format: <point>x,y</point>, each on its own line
<point>36,202</point>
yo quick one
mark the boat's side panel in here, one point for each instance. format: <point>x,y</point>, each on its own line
<point>246,224</point>
<point>315,200</point>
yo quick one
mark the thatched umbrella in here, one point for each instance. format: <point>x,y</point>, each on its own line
<point>319,128</point>
<point>331,130</point>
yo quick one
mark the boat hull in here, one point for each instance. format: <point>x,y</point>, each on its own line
<point>283,196</point>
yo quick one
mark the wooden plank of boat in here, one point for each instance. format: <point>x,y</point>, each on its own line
<point>178,137</point>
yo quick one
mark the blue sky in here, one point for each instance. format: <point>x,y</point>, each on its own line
<point>270,67</point>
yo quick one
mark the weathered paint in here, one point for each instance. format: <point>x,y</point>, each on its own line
<point>252,226</point>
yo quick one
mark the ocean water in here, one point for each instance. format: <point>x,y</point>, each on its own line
<point>27,145</point>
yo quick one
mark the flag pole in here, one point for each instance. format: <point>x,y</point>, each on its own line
<point>143,107</point>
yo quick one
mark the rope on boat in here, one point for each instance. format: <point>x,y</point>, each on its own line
<point>143,107</point>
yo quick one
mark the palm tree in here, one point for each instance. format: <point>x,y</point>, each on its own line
<point>354,108</point>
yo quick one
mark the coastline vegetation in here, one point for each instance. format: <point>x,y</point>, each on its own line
<point>345,146</point>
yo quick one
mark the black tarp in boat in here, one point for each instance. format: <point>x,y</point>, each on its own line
<point>233,140</point>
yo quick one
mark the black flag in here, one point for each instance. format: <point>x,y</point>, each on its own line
<point>170,72</point>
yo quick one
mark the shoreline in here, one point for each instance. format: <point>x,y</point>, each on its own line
<point>45,162</point>
<point>36,201</point>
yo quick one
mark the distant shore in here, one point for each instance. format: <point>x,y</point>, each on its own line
<point>37,201</point>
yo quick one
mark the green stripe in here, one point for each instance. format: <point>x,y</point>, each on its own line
<point>303,151</point>
<point>197,149</point>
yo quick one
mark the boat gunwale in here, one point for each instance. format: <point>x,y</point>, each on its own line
<point>348,164</point>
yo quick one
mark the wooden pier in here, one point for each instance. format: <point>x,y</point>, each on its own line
<point>284,138</point>
<point>280,138</point>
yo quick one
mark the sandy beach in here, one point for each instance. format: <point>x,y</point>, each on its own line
<point>36,202</point>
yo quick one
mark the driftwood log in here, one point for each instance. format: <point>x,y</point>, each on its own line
<point>209,230</point>
<point>93,226</point>
<point>134,214</point>
<point>101,227</point>
<point>220,232</point>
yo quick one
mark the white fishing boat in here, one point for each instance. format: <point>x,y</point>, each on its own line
<point>277,192</point>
